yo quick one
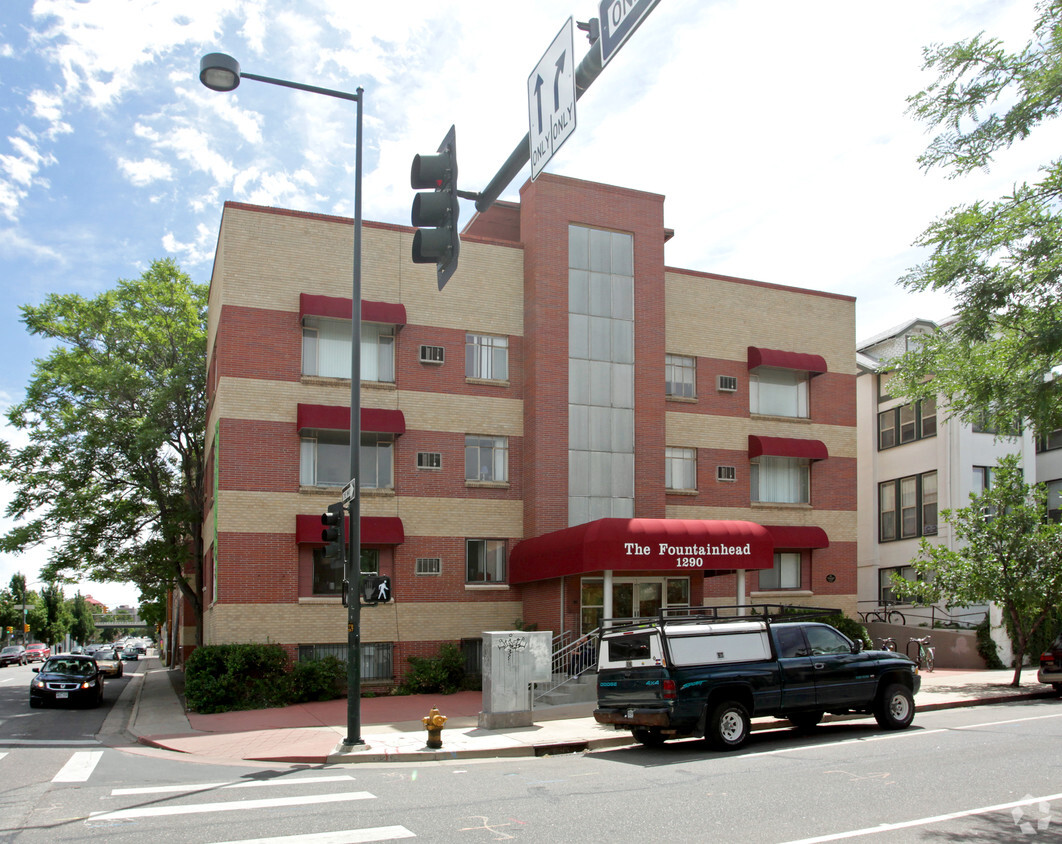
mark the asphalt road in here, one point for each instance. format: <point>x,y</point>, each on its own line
<point>982,773</point>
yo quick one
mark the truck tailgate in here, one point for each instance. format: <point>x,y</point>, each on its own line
<point>640,687</point>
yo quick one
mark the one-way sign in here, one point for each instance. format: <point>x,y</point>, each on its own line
<point>551,99</point>
<point>619,18</point>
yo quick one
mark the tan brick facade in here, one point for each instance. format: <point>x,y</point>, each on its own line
<point>511,283</point>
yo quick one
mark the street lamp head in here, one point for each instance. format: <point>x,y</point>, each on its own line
<point>219,72</point>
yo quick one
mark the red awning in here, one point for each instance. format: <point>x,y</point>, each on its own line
<point>681,546</point>
<point>337,307</point>
<point>787,447</point>
<point>814,364</point>
<point>798,536</point>
<point>337,418</point>
<point>375,530</point>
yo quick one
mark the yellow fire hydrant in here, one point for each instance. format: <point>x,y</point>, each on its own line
<point>433,723</point>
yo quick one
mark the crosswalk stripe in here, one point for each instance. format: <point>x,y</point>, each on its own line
<point>202,808</point>
<point>342,836</point>
<point>79,767</point>
<point>209,786</point>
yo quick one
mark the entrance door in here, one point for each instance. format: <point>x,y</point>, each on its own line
<point>638,598</point>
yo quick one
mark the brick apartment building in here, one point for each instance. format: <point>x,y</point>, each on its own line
<point>571,430</point>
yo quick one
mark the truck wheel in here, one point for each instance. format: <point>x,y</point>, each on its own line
<point>650,738</point>
<point>894,709</point>
<point>805,720</point>
<point>729,726</point>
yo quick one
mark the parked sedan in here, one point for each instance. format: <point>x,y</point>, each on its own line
<point>1051,664</point>
<point>37,652</point>
<point>13,655</point>
<point>110,662</point>
<point>67,678</point>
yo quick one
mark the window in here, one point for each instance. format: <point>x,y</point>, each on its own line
<point>370,561</point>
<point>486,458</point>
<point>1049,442</point>
<point>907,507</point>
<point>680,376</point>
<point>485,561</point>
<point>428,565</point>
<point>785,573</point>
<point>982,480</point>
<point>487,357</point>
<point>886,429</point>
<point>326,349</point>
<point>1054,500</point>
<point>377,461</point>
<point>680,470</point>
<point>907,423</point>
<point>825,640</point>
<point>327,574</point>
<point>883,385</point>
<point>377,658</point>
<point>780,480</point>
<point>886,594</point>
<point>324,459</point>
<point>778,392</point>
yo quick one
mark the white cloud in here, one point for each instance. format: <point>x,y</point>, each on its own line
<point>146,171</point>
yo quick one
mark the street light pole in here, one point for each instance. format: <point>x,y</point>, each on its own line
<point>220,72</point>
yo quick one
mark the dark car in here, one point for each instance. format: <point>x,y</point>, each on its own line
<point>13,655</point>
<point>67,678</point>
<point>1051,664</point>
<point>129,652</point>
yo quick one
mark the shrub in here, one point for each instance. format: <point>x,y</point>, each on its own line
<point>219,678</point>
<point>444,673</point>
<point>986,647</point>
<point>322,679</point>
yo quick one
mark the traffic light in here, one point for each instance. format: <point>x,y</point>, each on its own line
<point>25,628</point>
<point>439,242</point>
<point>376,588</point>
<point>335,532</point>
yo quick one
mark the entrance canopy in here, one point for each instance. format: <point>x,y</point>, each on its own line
<point>682,546</point>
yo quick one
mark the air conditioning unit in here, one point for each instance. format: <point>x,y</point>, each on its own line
<point>431,354</point>
<point>726,383</point>
<point>929,530</point>
<point>725,473</point>
<point>429,460</point>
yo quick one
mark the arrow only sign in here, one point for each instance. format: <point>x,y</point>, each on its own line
<point>551,99</point>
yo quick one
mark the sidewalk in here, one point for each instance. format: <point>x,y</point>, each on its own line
<point>391,729</point>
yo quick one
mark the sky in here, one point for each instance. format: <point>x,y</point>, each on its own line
<point>777,131</point>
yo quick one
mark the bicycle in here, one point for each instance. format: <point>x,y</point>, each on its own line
<point>887,644</point>
<point>883,614</point>
<point>926,656</point>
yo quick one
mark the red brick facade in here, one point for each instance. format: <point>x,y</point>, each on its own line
<point>512,282</point>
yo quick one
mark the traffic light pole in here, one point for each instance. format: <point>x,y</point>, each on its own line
<point>353,573</point>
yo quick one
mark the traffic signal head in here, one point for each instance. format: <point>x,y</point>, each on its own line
<point>435,214</point>
<point>335,531</point>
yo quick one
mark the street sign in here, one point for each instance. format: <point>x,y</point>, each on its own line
<point>619,18</point>
<point>551,99</point>
<point>350,491</point>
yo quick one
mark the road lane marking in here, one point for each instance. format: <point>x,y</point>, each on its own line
<point>79,767</point>
<point>239,805</point>
<point>208,786</point>
<point>342,836</point>
<point>950,816</point>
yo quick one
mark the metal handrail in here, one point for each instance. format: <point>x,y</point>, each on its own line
<point>573,655</point>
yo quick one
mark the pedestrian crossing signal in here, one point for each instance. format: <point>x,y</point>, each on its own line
<point>376,588</point>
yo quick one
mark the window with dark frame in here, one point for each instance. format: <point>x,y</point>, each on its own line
<point>907,507</point>
<point>907,423</point>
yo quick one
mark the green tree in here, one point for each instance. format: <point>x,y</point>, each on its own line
<point>57,618</point>
<point>115,415</point>
<point>82,627</point>
<point>1001,260</point>
<point>1010,553</point>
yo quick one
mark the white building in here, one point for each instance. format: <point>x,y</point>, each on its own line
<point>913,464</point>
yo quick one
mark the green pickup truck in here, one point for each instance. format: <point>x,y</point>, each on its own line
<point>706,671</point>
